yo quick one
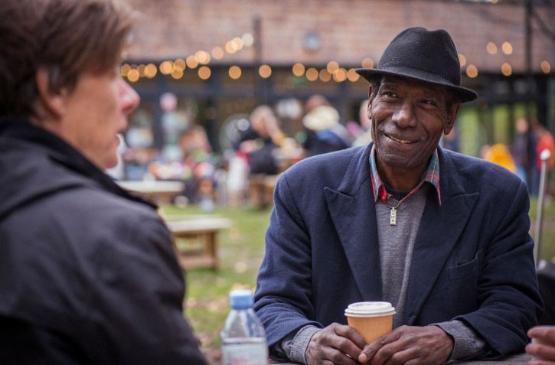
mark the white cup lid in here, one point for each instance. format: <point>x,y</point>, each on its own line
<point>369,309</point>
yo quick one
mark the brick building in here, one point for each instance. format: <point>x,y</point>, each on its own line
<point>490,36</point>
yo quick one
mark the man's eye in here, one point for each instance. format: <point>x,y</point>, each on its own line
<point>389,94</point>
<point>429,102</point>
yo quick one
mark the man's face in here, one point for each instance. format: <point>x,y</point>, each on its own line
<point>97,111</point>
<point>408,118</point>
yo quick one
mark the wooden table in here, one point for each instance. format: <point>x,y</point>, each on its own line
<point>203,229</point>
<point>156,191</point>
<point>512,360</point>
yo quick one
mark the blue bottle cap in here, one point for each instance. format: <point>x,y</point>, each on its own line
<point>240,299</point>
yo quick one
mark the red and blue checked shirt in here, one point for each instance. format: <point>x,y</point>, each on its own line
<point>431,176</point>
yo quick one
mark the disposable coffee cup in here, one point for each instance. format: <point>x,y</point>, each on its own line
<point>370,319</point>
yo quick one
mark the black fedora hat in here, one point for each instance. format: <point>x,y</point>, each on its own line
<point>423,55</point>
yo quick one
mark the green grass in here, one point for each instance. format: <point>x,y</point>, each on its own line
<point>240,250</point>
<point>548,231</point>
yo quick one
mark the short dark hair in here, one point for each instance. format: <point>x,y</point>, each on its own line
<point>65,37</point>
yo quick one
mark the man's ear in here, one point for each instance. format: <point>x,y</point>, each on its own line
<point>369,105</point>
<point>52,103</point>
<point>451,117</point>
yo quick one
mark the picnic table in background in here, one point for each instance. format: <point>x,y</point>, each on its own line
<point>159,192</point>
<point>199,233</point>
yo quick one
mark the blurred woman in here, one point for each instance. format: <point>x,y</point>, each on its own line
<point>88,274</point>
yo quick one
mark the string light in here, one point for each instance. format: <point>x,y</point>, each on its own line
<point>248,39</point>
<point>298,69</point>
<point>462,59</point>
<point>177,73</point>
<point>202,57</point>
<point>340,75</point>
<point>332,66</point>
<point>180,63</point>
<point>352,75</point>
<point>471,71</point>
<point>229,47</point>
<point>507,48</point>
<point>133,75</point>
<point>368,62</point>
<point>166,67</point>
<point>311,74</point>
<point>124,69</point>
<point>234,72</point>
<point>265,71</point>
<point>150,70</point>
<point>191,62</point>
<point>217,53</point>
<point>204,72</point>
<point>506,69</point>
<point>324,75</point>
<point>491,48</point>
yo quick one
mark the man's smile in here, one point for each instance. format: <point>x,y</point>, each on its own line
<point>399,139</point>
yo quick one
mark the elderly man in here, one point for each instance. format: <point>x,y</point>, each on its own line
<point>442,236</point>
<point>88,274</point>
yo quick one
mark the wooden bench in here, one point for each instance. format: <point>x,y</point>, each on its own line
<point>261,190</point>
<point>201,230</point>
<point>159,192</point>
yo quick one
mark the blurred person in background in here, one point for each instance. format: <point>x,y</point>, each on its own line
<point>365,134</point>
<point>520,150</point>
<point>88,274</point>
<point>499,154</point>
<point>324,132</point>
<point>258,142</point>
<point>199,164</point>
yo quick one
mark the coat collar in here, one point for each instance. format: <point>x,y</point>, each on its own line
<point>353,213</point>
<point>21,132</point>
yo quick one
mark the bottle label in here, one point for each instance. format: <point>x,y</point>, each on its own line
<point>245,352</point>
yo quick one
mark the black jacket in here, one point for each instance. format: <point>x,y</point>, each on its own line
<point>87,272</point>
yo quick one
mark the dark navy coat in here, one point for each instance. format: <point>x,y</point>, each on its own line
<point>472,258</point>
<point>88,274</point>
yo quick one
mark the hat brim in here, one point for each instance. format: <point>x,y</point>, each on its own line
<point>462,93</point>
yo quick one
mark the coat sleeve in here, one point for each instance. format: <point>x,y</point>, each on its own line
<point>283,299</point>
<point>507,288</point>
<point>139,297</point>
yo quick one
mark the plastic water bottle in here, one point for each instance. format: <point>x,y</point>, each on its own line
<point>243,338</point>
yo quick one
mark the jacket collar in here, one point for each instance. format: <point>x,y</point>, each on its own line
<point>62,153</point>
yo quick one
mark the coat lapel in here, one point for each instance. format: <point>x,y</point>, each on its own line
<point>353,214</point>
<point>438,233</point>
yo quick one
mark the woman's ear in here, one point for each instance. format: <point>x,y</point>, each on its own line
<point>51,103</point>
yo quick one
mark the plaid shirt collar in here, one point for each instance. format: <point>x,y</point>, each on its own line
<point>431,176</point>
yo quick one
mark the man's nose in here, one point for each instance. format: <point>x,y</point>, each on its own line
<point>404,116</point>
<point>129,98</point>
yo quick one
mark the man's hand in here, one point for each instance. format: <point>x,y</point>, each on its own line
<point>543,347</point>
<point>335,344</point>
<point>427,345</point>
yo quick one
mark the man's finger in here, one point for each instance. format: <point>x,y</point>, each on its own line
<point>352,334</point>
<point>337,357</point>
<point>370,350</point>
<point>402,357</point>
